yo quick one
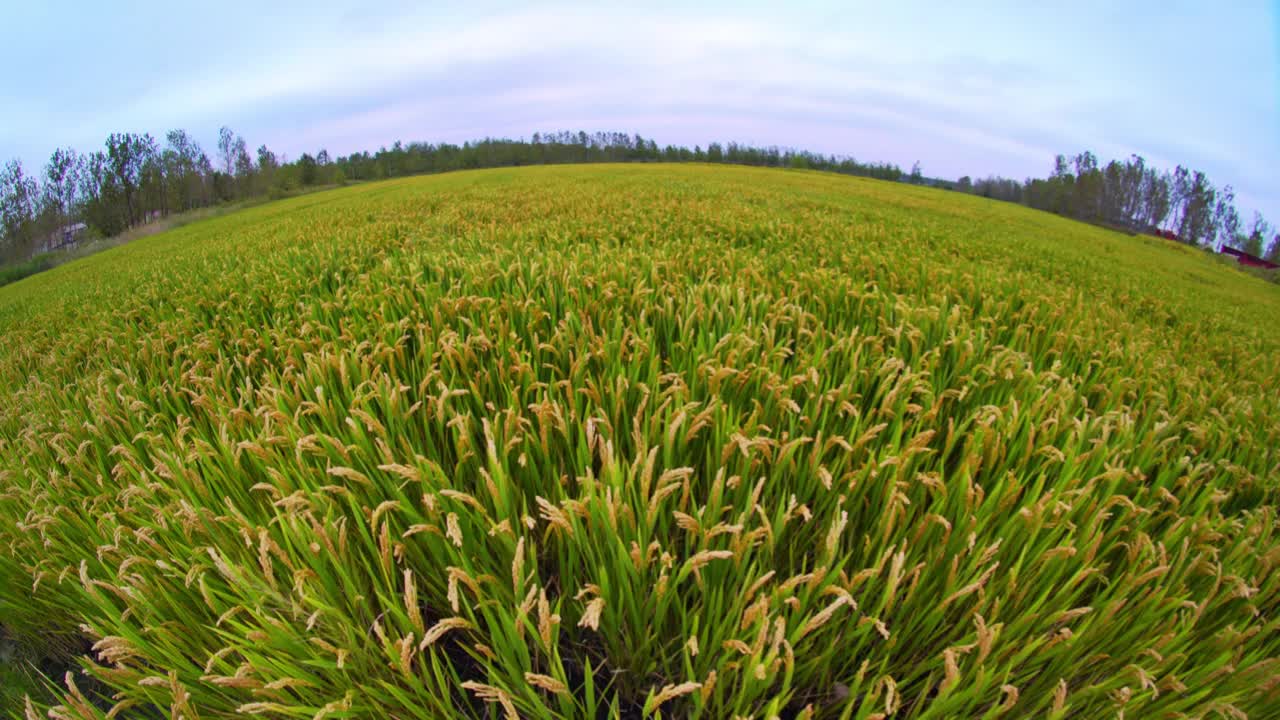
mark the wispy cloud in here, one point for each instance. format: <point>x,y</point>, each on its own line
<point>994,88</point>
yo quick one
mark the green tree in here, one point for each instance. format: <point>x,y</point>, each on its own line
<point>126,156</point>
<point>100,195</point>
<point>184,163</point>
<point>153,183</point>
<point>307,169</point>
<point>226,149</point>
<point>1255,242</point>
<point>1195,225</point>
<point>1089,186</point>
<point>1156,201</point>
<point>62,184</point>
<point>237,166</point>
<point>1226,220</point>
<point>19,195</point>
<point>244,163</point>
<point>268,164</point>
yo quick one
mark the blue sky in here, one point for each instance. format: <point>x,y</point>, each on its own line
<point>965,88</point>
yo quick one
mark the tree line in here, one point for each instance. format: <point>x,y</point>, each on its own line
<point>135,179</point>
<point>581,147</point>
<point>1182,205</point>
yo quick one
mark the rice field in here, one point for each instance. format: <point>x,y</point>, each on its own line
<point>641,441</point>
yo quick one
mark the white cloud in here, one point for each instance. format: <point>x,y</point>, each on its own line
<point>962,88</point>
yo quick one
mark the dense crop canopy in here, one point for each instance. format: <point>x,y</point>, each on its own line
<point>676,440</point>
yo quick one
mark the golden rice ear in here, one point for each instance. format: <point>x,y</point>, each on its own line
<point>670,692</point>
<point>699,441</point>
<point>547,683</point>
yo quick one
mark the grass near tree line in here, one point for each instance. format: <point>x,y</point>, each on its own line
<point>625,441</point>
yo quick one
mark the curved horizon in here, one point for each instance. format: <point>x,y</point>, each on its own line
<point>993,91</point>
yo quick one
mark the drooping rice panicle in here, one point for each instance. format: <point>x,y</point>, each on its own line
<point>680,440</point>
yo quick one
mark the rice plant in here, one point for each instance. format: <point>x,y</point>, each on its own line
<point>630,441</point>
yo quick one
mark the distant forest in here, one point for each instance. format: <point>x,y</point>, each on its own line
<point>135,179</point>
<point>1181,205</point>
